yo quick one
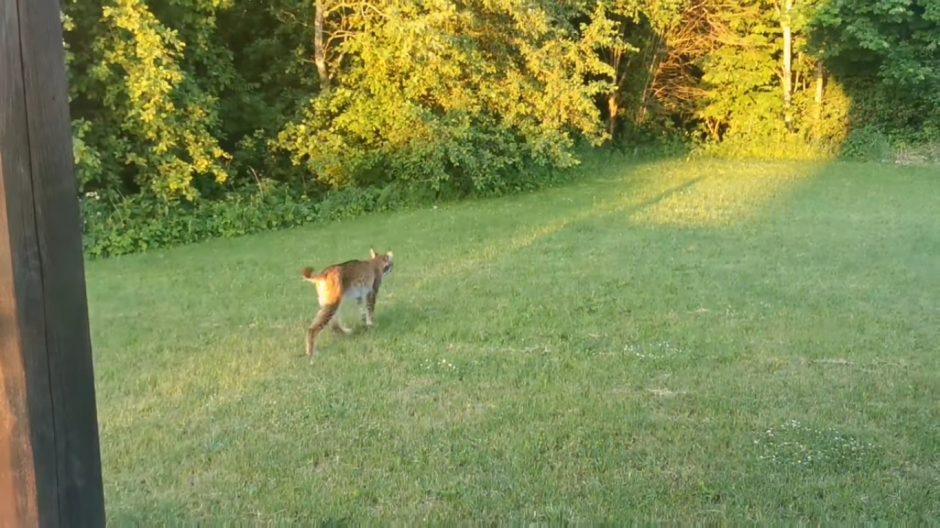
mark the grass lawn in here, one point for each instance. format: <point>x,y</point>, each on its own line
<point>670,341</point>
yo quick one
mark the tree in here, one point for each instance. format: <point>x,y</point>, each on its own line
<point>887,52</point>
<point>763,85</point>
<point>140,120</point>
<point>652,50</point>
<point>467,93</point>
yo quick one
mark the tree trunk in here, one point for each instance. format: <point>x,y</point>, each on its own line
<point>613,97</point>
<point>820,78</point>
<point>642,109</point>
<point>787,64</point>
<point>613,108</point>
<point>319,51</point>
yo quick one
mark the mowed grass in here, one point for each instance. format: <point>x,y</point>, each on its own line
<point>668,341</point>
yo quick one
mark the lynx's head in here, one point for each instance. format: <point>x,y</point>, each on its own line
<point>384,260</point>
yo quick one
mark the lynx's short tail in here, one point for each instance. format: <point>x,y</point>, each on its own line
<point>309,275</point>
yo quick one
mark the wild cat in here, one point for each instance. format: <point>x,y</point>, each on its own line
<point>357,279</point>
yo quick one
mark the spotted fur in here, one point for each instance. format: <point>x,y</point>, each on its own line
<point>353,279</point>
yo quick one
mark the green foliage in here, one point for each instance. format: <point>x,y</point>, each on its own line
<point>741,76</point>
<point>135,223</point>
<point>646,45</point>
<point>439,96</point>
<point>139,118</point>
<point>868,143</point>
<point>271,45</point>
<point>179,106</point>
<point>141,222</point>
<point>888,51</point>
<point>714,69</point>
<point>819,130</point>
<point>894,40</point>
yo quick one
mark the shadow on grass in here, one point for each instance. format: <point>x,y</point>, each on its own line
<point>481,255</point>
<point>716,200</point>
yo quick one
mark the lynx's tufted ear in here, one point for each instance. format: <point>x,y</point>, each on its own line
<point>371,253</point>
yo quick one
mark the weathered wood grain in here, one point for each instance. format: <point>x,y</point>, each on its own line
<point>50,471</point>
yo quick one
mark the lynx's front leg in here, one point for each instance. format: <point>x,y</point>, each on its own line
<point>362,311</point>
<point>370,308</point>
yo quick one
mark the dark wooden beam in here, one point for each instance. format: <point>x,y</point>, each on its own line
<point>50,468</point>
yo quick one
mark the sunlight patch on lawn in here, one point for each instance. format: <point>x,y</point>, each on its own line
<point>724,196</point>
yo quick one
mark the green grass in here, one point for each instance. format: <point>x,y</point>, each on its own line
<point>688,342</point>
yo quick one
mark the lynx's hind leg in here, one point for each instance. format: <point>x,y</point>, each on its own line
<point>322,319</point>
<point>337,325</point>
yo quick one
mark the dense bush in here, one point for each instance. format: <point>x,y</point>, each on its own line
<point>887,52</point>
<point>867,143</point>
<point>131,224</point>
<point>140,222</point>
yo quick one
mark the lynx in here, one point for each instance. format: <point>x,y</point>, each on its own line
<point>358,279</point>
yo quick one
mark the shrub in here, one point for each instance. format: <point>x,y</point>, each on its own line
<point>867,143</point>
<point>119,225</point>
<point>137,223</point>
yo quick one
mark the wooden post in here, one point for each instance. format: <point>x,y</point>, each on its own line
<point>50,468</point>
